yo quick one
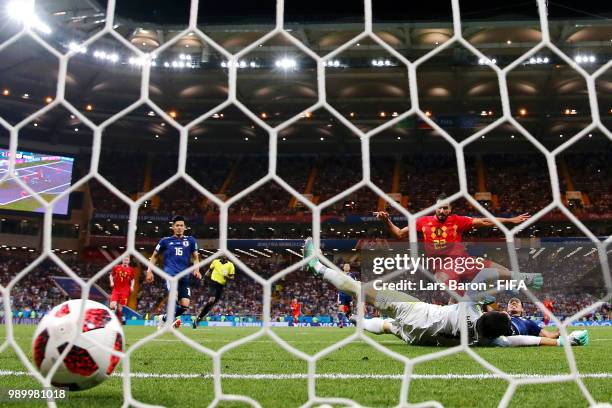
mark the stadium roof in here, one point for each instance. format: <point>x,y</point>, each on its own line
<point>365,83</point>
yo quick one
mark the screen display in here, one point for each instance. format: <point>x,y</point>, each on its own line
<point>47,175</point>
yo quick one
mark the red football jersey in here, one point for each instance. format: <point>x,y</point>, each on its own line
<point>295,308</point>
<point>122,277</point>
<point>444,238</point>
<point>548,304</point>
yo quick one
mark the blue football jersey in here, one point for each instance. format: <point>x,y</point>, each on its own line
<point>344,298</point>
<point>525,327</point>
<point>177,253</point>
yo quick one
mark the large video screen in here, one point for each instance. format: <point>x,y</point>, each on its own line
<point>48,175</point>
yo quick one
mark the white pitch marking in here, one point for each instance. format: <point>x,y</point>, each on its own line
<point>57,168</point>
<point>335,376</point>
<point>31,167</point>
<point>38,192</point>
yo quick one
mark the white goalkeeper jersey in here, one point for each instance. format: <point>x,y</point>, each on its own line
<point>432,325</point>
<point>427,324</point>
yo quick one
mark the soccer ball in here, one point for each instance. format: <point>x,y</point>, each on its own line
<point>86,364</point>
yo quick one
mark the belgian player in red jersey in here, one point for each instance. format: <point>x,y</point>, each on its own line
<point>295,311</point>
<point>549,305</point>
<point>442,237</point>
<point>122,284</point>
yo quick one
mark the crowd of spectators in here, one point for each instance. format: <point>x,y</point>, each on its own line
<point>425,177</point>
<point>37,290</point>
<point>590,174</point>
<point>573,281</point>
<point>519,182</point>
<point>523,186</point>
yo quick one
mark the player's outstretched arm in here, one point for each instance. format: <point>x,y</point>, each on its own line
<point>196,262</point>
<point>396,232</point>
<point>152,261</point>
<point>210,268</point>
<point>485,222</point>
<point>232,271</point>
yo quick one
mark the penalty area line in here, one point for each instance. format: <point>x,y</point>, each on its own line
<point>336,376</point>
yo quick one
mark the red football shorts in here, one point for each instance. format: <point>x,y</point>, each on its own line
<point>120,297</point>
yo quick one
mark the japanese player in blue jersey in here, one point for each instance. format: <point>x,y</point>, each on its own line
<point>345,301</point>
<point>179,252</point>
<point>523,326</point>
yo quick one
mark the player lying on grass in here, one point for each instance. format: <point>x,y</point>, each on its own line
<point>442,237</point>
<point>521,325</point>
<point>179,251</point>
<point>422,323</point>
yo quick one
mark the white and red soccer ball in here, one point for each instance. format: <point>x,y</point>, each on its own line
<point>86,364</point>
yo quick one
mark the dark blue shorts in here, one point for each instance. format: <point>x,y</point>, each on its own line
<point>344,299</point>
<point>184,292</point>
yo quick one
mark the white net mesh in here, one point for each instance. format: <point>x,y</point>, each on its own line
<point>513,381</point>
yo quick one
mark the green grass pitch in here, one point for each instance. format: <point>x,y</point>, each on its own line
<point>266,368</point>
<point>28,204</point>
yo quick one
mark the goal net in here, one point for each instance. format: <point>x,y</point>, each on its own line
<point>149,55</point>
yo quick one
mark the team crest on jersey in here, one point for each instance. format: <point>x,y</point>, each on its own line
<point>437,232</point>
<point>185,243</point>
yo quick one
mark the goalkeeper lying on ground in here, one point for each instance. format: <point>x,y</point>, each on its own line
<point>422,323</point>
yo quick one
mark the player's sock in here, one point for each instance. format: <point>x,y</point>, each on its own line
<point>308,250</point>
<point>340,280</point>
<point>486,275</point>
<point>179,310</point>
<point>341,319</point>
<point>374,325</point>
<point>118,313</point>
<point>205,310</point>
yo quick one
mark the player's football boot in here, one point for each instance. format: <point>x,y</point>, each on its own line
<point>577,338</point>
<point>308,250</point>
<point>195,321</point>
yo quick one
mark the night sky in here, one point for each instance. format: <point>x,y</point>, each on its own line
<point>317,11</point>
